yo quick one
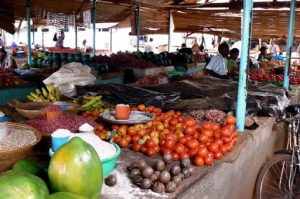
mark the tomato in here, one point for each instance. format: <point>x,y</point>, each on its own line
<point>223,149</point>
<point>217,134</point>
<point>193,144</point>
<point>208,160</point>
<point>123,143</point>
<point>226,131</point>
<point>175,156</point>
<point>156,148</point>
<point>150,152</point>
<point>208,133</point>
<point>114,127</point>
<point>229,147</point>
<point>141,107</point>
<point>211,154</point>
<point>219,142</point>
<point>128,138</point>
<point>218,155</point>
<point>182,140</point>
<point>178,113</point>
<point>150,143</point>
<point>226,139</point>
<point>142,133</point>
<point>154,134</point>
<point>203,138</point>
<point>213,147</point>
<point>136,146</point>
<point>199,161</point>
<point>233,142</point>
<point>215,127</point>
<point>157,110</point>
<point>135,138</point>
<point>188,137</point>
<point>202,152</point>
<point>180,118</point>
<point>117,139</point>
<point>189,130</point>
<point>131,131</point>
<point>207,144</point>
<point>184,155</point>
<point>230,120</point>
<point>160,126</point>
<point>190,122</point>
<point>169,143</point>
<point>173,122</point>
<point>95,113</point>
<point>207,125</point>
<point>122,131</point>
<point>166,151</point>
<point>231,127</point>
<point>102,135</point>
<point>193,152</point>
<point>235,134</point>
<point>85,114</point>
<point>179,148</point>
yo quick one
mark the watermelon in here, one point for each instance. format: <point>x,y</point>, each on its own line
<point>76,167</point>
<point>66,195</point>
<point>22,185</point>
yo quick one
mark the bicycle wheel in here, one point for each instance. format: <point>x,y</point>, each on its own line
<point>273,179</point>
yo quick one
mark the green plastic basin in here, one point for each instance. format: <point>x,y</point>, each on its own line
<point>109,164</point>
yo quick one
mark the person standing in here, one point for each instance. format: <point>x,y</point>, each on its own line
<point>7,62</point>
<point>60,40</point>
<point>150,46</point>
<point>2,44</point>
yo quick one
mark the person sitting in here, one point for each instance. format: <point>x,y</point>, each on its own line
<point>264,54</point>
<point>7,63</point>
<point>232,59</point>
<point>186,50</point>
<point>217,67</point>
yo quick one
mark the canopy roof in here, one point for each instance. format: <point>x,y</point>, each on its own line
<point>222,17</point>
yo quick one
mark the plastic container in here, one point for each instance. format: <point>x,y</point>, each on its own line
<point>122,112</point>
<point>109,164</point>
<point>180,69</point>
<point>175,73</point>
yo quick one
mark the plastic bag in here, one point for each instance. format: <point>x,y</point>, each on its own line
<point>70,75</point>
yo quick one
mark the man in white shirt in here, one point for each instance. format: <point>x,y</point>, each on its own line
<point>217,66</point>
<point>150,46</point>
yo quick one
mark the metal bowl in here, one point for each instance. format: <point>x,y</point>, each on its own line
<point>136,117</point>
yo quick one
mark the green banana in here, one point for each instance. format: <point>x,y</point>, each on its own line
<point>45,93</point>
<point>92,101</point>
<point>38,92</point>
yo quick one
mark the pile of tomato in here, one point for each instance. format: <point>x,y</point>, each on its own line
<point>267,77</point>
<point>170,133</point>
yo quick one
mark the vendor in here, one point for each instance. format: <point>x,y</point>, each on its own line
<point>232,59</point>
<point>60,40</point>
<point>185,49</point>
<point>6,62</point>
<point>217,67</point>
<point>264,54</point>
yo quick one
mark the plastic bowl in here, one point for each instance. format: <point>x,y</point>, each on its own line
<point>109,164</point>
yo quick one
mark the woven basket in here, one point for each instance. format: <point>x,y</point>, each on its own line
<point>32,110</point>
<point>9,157</point>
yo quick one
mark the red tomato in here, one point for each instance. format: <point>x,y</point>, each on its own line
<point>209,133</point>
<point>190,122</point>
<point>156,148</point>
<point>188,137</point>
<point>151,152</point>
<point>141,107</point>
<point>179,148</point>
<point>167,151</point>
<point>150,143</point>
<point>202,138</point>
<point>175,156</point>
<point>189,130</point>
<point>213,147</point>
<point>193,152</point>
<point>202,151</point>
<point>131,131</point>
<point>135,138</point>
<point>226,139</point>
<point>182,140</point>
<point>235,134</point>
<point>219,142</point>
<point>231,127</point>
<point>169,143</point>
<point>178,113</point>
<point>142,133</point>
<point>207,125</point>
<point>215,127</point>
<point>180,118</point>
<point>226,131</point>
<point>173,122</point>
<point>229,147</point>
<point>208,160</point>
<point>195,135</point>
<point>193,144</point>
<point>230,120</point>
<point>123,143</point>
<point>217,134</point>
<point>223,149</point>
<point>211,154</point>
<point>128,138</point>
<point>199,161</point>
<point>143,148</point>
<point>184,155</point>
<point>218,155</point>
<point>136,146</point>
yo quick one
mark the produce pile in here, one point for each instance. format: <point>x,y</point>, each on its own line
<point>171,133</point>
<point>163,176</point>
<point>8,80</point>
<point>271,64</point>
<point>161,78</point>
<point>52,94</point>
<point>93,104</point>
<point>273,78</point>
<point>70,122</point>
<point>30,180</point>
<point>122,60</point>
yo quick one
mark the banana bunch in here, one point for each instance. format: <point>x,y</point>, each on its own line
<point>52,95</point>
<point>91,103</point>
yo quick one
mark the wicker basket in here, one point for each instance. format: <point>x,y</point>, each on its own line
<point>9,157</point>
<point>33,109</point>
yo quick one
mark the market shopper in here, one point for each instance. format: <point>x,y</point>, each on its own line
<point>7,62</point>
<point>232,59</point>
<point>195,47</point>
<point>60,40</point>
<point>150,46</point>
<point>263,54</point>
<point>185,49</point>
<point>217,67</point>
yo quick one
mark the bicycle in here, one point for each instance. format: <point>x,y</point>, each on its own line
<point>280,176</point>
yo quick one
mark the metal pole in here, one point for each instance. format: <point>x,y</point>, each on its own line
<point>28,31</point>
<point>242,87</point>
<point>289,46</point>
<point>111,40</point>
<point>76,45</point>
<point>138,29</point>
<point>33,30</point>
<point>170,30</point>
<point>94,28</point>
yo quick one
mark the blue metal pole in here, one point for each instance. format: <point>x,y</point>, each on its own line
<point>138,29</point>
<point>76,34</point>
<point>170,30</point>
<point>28,31</point>
<point>94,28</point>
<point>289,45</point>
<point>242,87</point>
